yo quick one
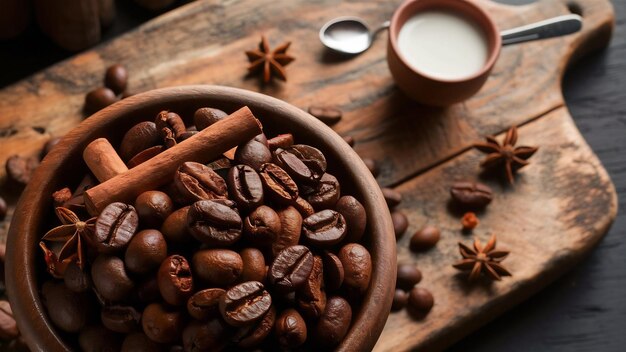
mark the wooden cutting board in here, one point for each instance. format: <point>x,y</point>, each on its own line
<point>560,207</point>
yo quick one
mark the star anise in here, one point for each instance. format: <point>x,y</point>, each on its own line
<point>75,234</point>
<point>482,259</point>
<point>271,62</point>
<point>506,154</point>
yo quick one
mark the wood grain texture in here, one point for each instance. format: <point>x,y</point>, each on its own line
<point>406,138</point>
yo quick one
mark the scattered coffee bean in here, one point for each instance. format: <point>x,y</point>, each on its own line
<point>174,227</point>
<point>170,127</point>
<point>420,301</point>
<point>115,227</point>
<point>302,162</point>
<point>472,195</point>
<point>252,335</point>
<point>195,181</point>
<point>99,99</point>
<point>334,323</point>
<point>469,221</point>
<point>205,304</point>
<point>311,297</point>
<point>324,229</point>
<point>139,342</point>
<point>8,326</point>
<point>3,208</point>
<point>400,223</point>
<point>408,276</point>
<point>400,300</point>
<point>354,214</point>
<point>305,208</point>
<point>262,226</point>
<point>153,207</point>
<point>110,278</point>
<point>350,140</point>
<point>333,271</point>
<point>97,338</point>
<point>116,78</point>
<point>325,194</point>
<point>372,166</point>
<point>214,222</point>
<point>49,145</point>
<point>281,141</point>
<point>357,265</point>
<point>392,197</point>
<point>139,138</point>
<point>20,169</point>
<point>162,324</point>
<point>219,267</point>
<point>425,239</point>
<point>254,153</point>
<point>146,251</point>
<point>122,319</point>
<point>253,265</point>
<point>278,185</point>
<point>68,310</point>
<point>205,117</point>
<point>329,115</point>
<point>291,227</point>
<point>76,279</point>
<point>175,280</point>
<point>245,187</point>
<point>291,268</point>
<point>291,329</point>
<point>245,303</point>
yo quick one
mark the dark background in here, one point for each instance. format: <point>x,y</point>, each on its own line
<point>583,311</point>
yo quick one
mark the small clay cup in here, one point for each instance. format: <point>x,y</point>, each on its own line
<point>435,91</point>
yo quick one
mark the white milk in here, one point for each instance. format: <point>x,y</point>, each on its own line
<point>443,45</point>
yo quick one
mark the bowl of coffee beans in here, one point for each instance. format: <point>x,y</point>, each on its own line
<point>201,218</point>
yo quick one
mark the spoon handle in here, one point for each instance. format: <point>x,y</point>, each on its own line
<point>549,28</point>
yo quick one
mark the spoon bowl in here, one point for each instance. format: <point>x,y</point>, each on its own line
<point>346,35</point>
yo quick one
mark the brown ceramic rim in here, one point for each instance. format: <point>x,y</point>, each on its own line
<point>26,227</point>
<point>491,31</point>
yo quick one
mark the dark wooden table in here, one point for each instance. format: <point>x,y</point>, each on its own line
<point>586,309</point>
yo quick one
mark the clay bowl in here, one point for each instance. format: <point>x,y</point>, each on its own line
<point>64,167</point>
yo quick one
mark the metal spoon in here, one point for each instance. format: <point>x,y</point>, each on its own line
<point>350,35</point>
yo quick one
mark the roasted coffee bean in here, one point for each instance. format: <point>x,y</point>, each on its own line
<point>252,335</point>
<point>144,156</point>
<point>350,140</point>
<point>254,268</point>
<point>424,239</point>
<point>122,319</point>
<point>333,271</point>
<point>305,208</point>
<point>354,214</point>
<point>302,162</point>
<point>245,187</point>
<point>325,194</point>
<point>175,228</point>
<point>205,117</point>
<point>245,303</point>
<point>372,166</point>
<point>334,323</point>
<point>205,304</point>
<point>400,299</point>
<point>218,267</point>
<point>76,279</point>
<point>140,137</point>
<point>262,226</point>
<point>291,268</point>
<point>400,223</point>
<point>20,169</point>
<point>392,197</point>
<point>281,141</point>
<point>67,310</point>
<point>148,290</point>
<point>99,99</point>
<point>115,227</point>
<point>325,228</point>
<point>110,279</point>
<point>408,276</point>
<point>290,329</point>
<point>162,324</point>
<point>278,185</point>
<point>170,126</point>
<point>311,297</point>
<point>3,208</point>
<point>195,182</point>
<point>153,207</point>
<point>357,264</point>
<point>97,338</point>
<point>51,143</point>
<point>116,78</point>
<point>214,222</point>
<point>186,135</point>
<point>290,228</point>
<point>205,336</point>
<point>145,251</point>
<point>329,115</point>
<point>8,326</point>
<point>175,280</point>
<point>254,153</point>
<point>420,302</point>
<point>471,195</point>
<point>139,342</point>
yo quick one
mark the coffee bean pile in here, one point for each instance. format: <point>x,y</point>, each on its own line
<point>261,251</point>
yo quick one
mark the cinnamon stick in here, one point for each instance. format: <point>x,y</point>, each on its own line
<point>102,160</point>
<point>203,147</point>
